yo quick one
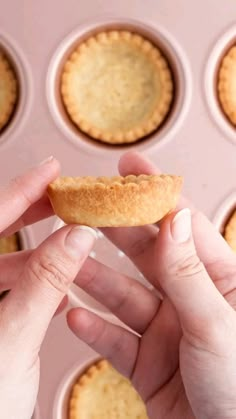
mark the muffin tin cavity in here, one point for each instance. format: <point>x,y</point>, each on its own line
<point>9,90</point>
<point>21,90</point>
<point>224,213</point>
<point>220,85</point>
<point>156,47</point>
<point>61,402</point>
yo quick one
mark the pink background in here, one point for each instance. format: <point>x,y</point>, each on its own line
<point>197,142</point>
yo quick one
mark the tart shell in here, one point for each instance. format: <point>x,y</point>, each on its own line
<point>101,392</point>
<point>8,91</point>
<point>117,87</point>
<point>227,84</point>
<point>114,202</point>
<point>230,231</point>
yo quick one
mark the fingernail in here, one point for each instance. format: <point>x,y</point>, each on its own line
<point>79,240</point>
<point>181,228</point>
<point>47,160</point>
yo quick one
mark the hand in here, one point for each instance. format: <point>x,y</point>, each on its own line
<point>182,357</point>
<point>39,280</point>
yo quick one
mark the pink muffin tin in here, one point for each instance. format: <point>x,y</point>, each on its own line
<point>196,140</point>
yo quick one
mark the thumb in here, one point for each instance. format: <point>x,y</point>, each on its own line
<point>46,278</point>
<point>201,308</point>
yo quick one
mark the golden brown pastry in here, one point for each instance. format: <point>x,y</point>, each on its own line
<point>102,393</point>
<point>230,231</point>
<point>8,90</point>
<point>117,201</point>
<point>117,87</point>
<point>227,84</point>
<point>9,244</point>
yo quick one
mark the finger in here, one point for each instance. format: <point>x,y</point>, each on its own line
<point>125,297</point>
<point>209,246</point>
<point>59,309</point>
<point>62,306</point>
<point>113,342</point>
<point>158,352</point>
<point>25,190</point>
<point>38,211</point>
<point>46,278</point>
<point>202,310</point>
<point>138,243</point>
<point>11,267</point>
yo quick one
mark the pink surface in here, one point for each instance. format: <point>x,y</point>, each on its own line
<point>197,142</point>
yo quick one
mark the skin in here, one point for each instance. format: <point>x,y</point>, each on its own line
<point>183,359</point>
<point>182,356</point>
<point>39,281</point>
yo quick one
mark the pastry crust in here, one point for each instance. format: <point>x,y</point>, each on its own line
<point>9,244</point>
<point>230,231</point>
<point>114,202</point>
<point>227,84</point>
<point>8,90</point>
<point>117,87</point>
<point>101,392</point>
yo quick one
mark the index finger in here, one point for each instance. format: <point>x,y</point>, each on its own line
<point>23,192</point>
<point>138,242</point>
<point>38,211</point>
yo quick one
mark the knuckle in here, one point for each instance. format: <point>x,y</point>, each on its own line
<point>187,266</point>
<point>122,300</point>
<point>117,347</point>
<point>53,272</point>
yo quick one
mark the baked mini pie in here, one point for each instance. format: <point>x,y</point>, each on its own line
<point>117,87</point>
<point>227,84</point>
<point>9,244</point>
<point>114,202</point>
<point>230,231</point>
<point>103,393</point>
<point>8,90</point>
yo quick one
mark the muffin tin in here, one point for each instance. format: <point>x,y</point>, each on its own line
<point>170,49</point>
<point>196,141</point>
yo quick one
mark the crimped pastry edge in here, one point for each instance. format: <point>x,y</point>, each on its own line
<point>87,376</point>
<point>159,114</point>
<point>117,205</point>
<point>7,71</point>
<point>106,181</point>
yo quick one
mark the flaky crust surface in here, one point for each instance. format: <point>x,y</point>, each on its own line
<point>8,90</point>
<point>102,393</point>
<point>117,87</point>
<point>114,202</point>
<point>227,84</point>
<point>230,231</point>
